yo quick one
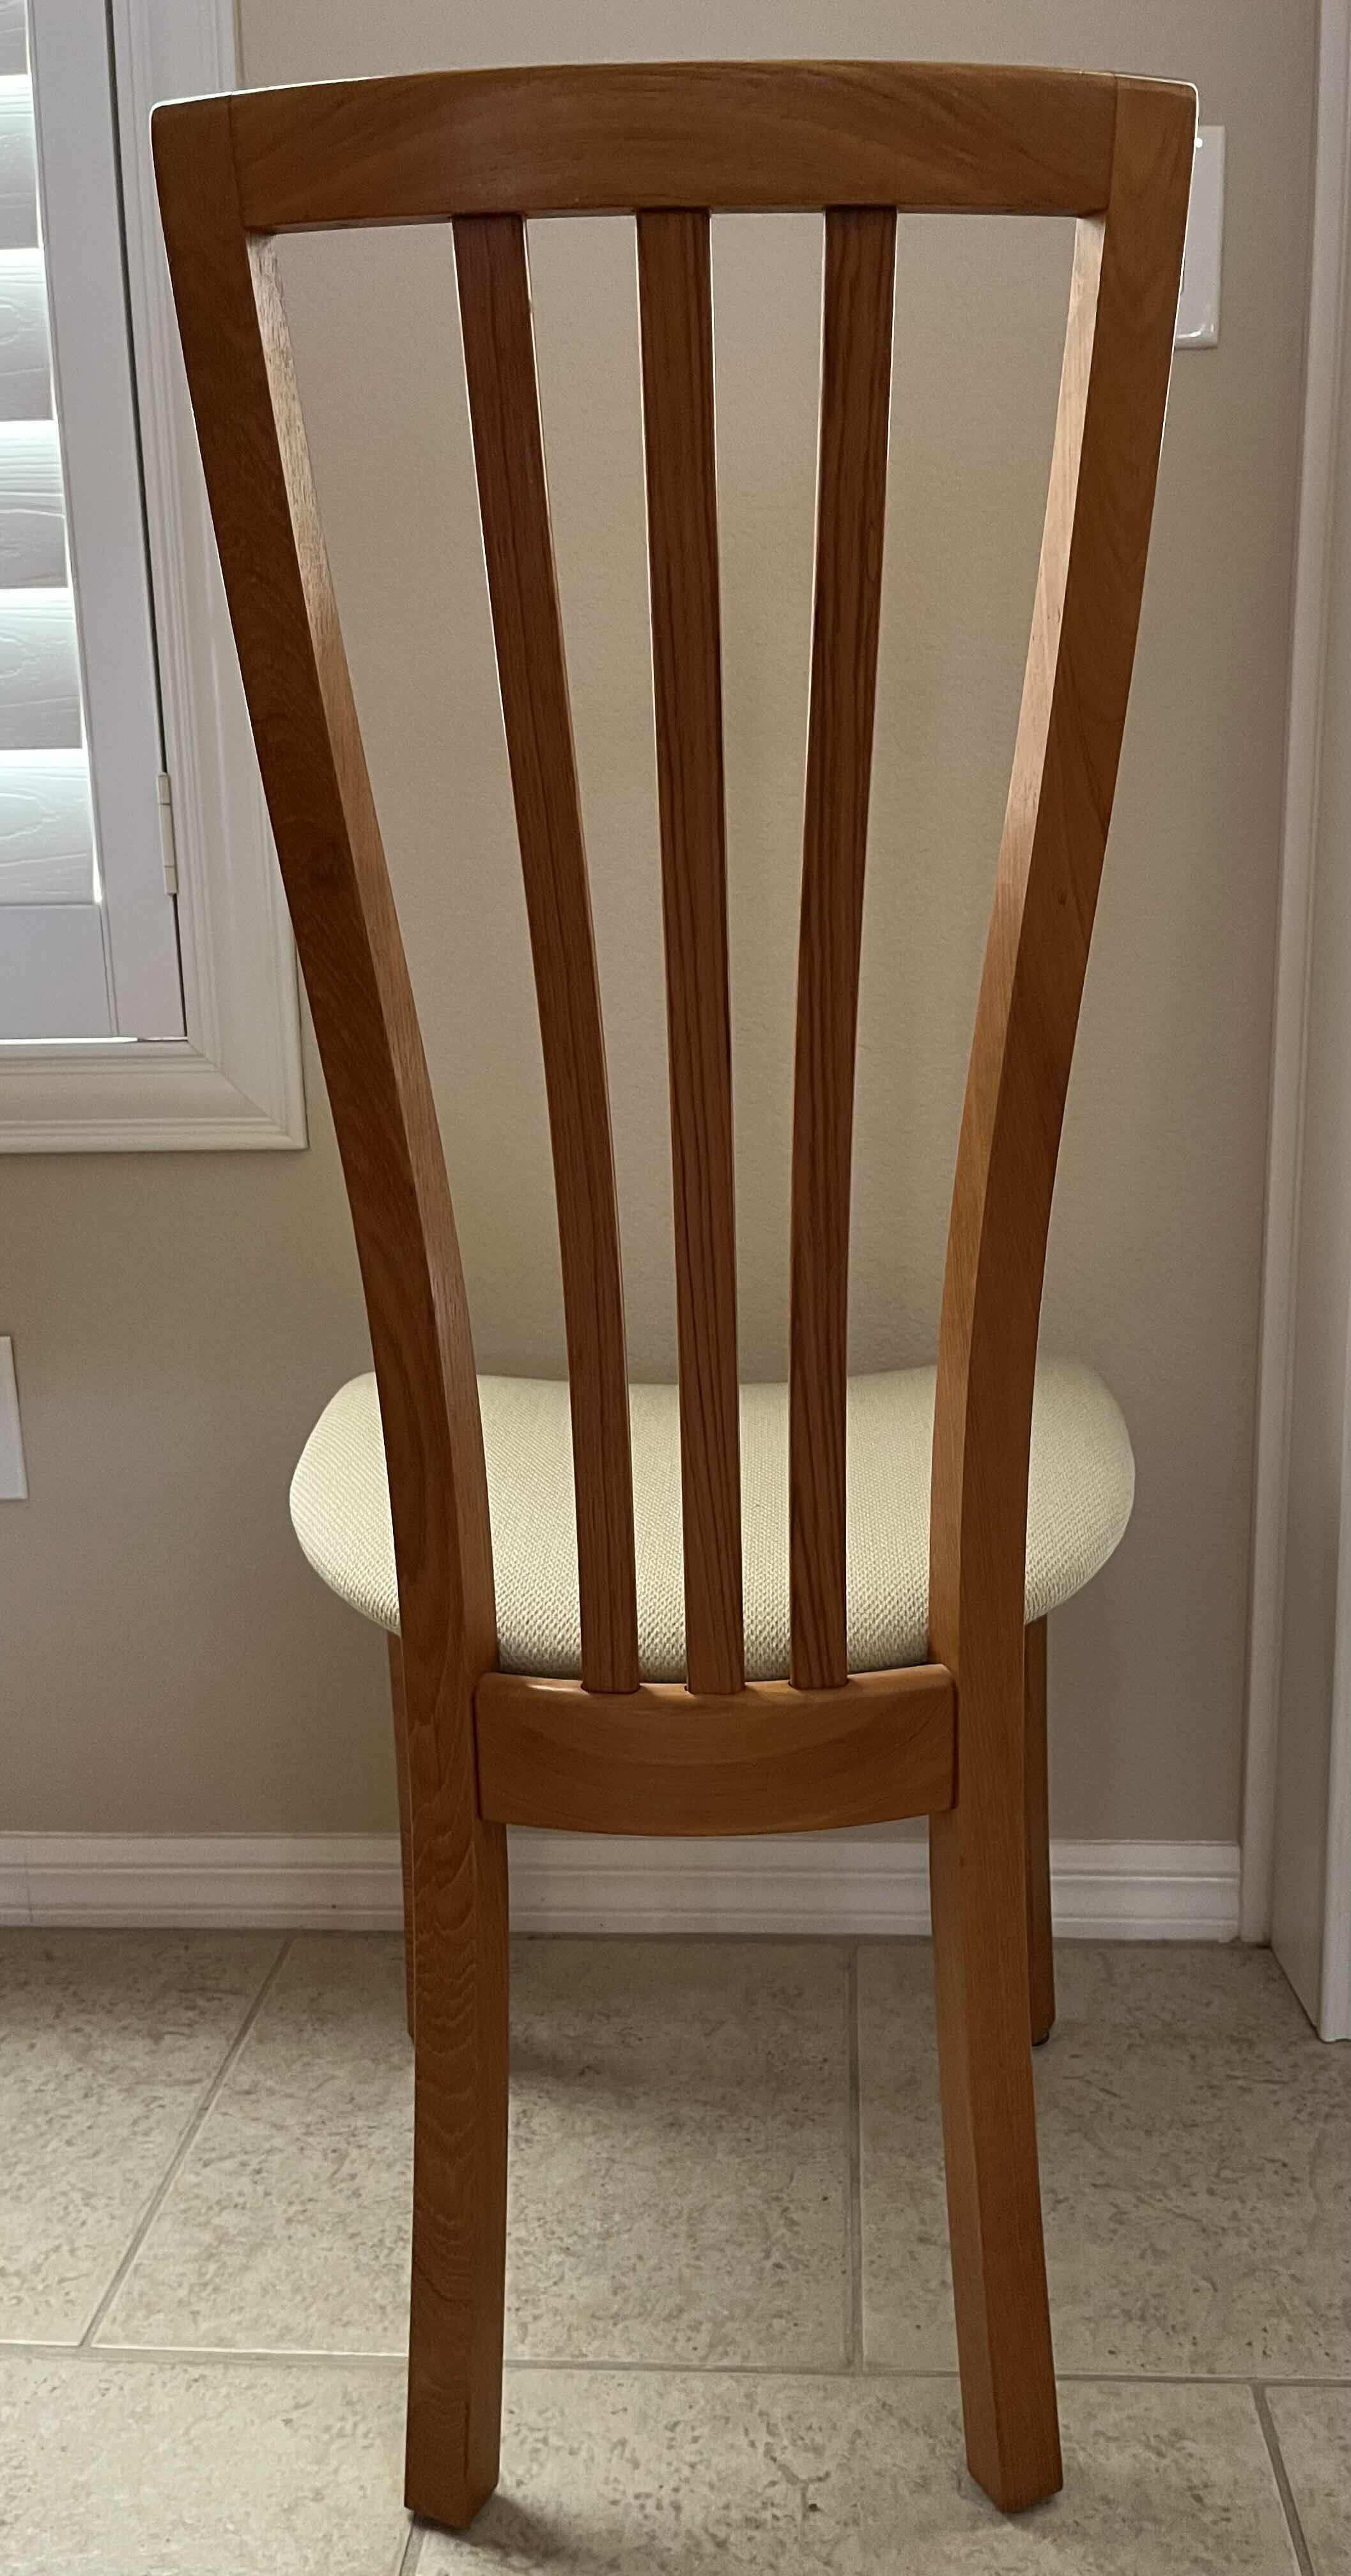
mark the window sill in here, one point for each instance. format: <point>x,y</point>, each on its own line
<point>139,1096</point>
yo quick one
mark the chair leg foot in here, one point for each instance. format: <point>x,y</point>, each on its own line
<point>1036,1808</point>
<point>459,2184</point>
<point>990,2151</point>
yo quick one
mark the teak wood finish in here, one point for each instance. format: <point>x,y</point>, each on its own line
<point>499,361</point>
<point>962,1738</point>
<point>769,1760</point>
<point>675,300</point>
<point>850,508</point>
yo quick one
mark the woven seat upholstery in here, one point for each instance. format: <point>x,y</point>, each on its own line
<point>1082,1486</point>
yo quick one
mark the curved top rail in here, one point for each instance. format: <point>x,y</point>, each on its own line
<point>612,138</point>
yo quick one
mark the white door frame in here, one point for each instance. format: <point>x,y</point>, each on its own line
<point>1334,2003</point>
<point>1330,281</point>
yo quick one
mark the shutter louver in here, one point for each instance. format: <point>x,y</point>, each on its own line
<point>46,826</point>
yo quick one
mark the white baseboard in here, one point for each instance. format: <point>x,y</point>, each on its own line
<point>839,1883</point>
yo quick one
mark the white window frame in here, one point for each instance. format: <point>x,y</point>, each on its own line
<point>235,1079</point>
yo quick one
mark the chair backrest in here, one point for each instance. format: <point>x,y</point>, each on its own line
<point>668,144</point>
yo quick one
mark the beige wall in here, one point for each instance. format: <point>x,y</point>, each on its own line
<point>170,1663</point>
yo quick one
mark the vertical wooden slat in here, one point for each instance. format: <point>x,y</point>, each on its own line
<point>499,354</point>
<point>851,504</point>
<point>676,308</point>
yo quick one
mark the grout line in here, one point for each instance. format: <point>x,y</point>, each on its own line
<point>191,2131</point>
<point>854,2251</point>
<point>1203,2379</point>
<point>244,2355</point>
<point>883,2370</point>
<point>209,2356</point>
<point>1281,2475</point>
<point>689,1936</point>
<point>412,2549</point>
<point>706,2369</point>
<point>935,2370</point>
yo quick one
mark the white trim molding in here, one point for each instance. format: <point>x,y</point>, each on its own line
<point>235,1080</point>
<point>1299,850</point>
<point>811,1883</point>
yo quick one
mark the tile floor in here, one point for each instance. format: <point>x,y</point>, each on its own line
<point>728,2304</point>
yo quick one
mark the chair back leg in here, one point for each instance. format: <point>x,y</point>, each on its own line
<point>977,1874</point>
<point>1036,1810</point>
<point>400,1716</point>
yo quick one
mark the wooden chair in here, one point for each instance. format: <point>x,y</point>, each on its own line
<point>609,1749</point>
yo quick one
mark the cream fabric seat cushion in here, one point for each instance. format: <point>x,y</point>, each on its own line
<point>1081,1490</point>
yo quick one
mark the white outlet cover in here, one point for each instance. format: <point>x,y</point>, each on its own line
<point>1198,313</point>
<point>13,1480</point>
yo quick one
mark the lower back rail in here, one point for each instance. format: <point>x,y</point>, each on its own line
<point>764,1760</point>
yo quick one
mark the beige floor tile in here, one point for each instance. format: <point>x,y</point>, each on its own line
<point>1313,2427</point>
<point>141,2468</point>
<point>108,2041</point>
<point>286,2228</point>
<point>678,2170</point>
<point>1196,2162</point>
<point>679,2152</point>
<point>607,2475</point>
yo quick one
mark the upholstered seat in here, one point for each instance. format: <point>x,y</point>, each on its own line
<point>1082,1486</point>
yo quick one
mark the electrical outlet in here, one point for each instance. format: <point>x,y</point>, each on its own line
<point>1198,313</point>
<point>13,1481</point>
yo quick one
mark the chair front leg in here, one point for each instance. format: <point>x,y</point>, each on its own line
<point>978,1874</point>
<point>459,2144</point>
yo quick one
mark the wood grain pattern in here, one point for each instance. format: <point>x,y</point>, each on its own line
<point>299,695</point>
<point>764,1760</point>
<point>1037,1835</point>
<point>850,516</point>
<point>1114,383</point>
<point>676,313</point>
<point>613,138</point>
<point>499,360</point>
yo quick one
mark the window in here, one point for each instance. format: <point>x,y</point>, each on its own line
<point>89,944</point>
<point>147,984</point>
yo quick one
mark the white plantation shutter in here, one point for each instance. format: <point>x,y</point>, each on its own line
<point>88,944</point>
<point>39,672</point>
<point>32,509</point>
<point>25,352</point>
<point>46,832</point>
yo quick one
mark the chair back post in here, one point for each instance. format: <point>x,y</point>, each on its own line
<point>249,425</point>
<point>1109,426</point>
<point>254,454</point>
